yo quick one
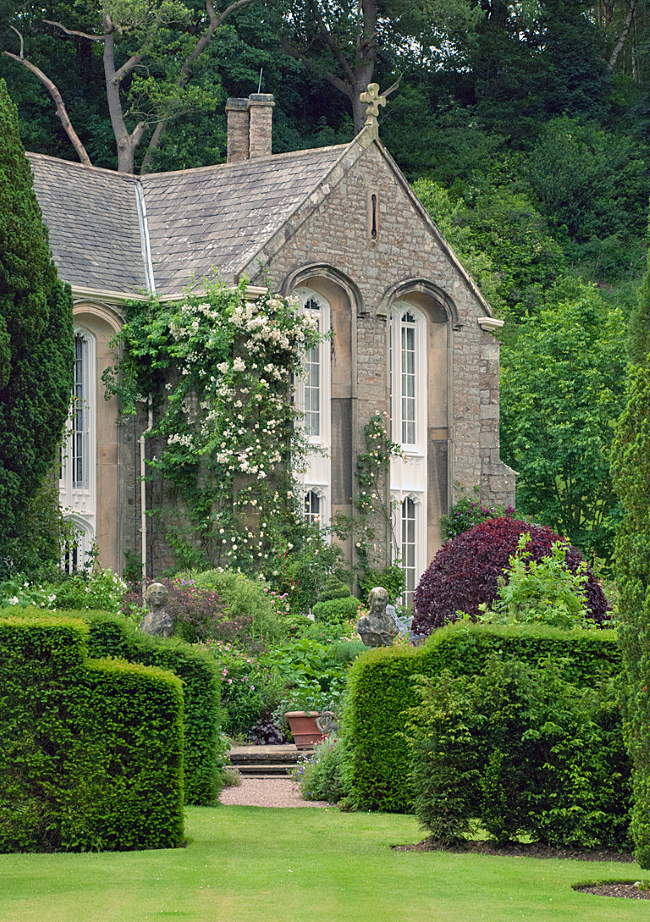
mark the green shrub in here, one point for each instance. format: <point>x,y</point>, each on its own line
<point>522,752</point>
<point>336,611</point>
<point>92,751</point>
<point>101,591</point>
<point>115,636</point>
<point>632,479</point>
<point>248,692</point>
<point>245,599</point>
<point>541,591</point>
<point>321,776</point>
<point>333,588</point>
<point>380,689</point>
<point>391,578</point>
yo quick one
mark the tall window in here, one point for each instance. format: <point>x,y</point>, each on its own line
<point>80,414</point>
<point>313,377</point>
<point>313,510</point>
<point>407,377</point>
<point>408,546</point>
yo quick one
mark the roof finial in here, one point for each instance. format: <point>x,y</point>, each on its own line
<point>373,101</point>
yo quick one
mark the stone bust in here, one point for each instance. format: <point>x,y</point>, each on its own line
<point>377,628</point>
<point>158,621</point>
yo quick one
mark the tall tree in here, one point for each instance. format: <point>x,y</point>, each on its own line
<point>150,51</point>
<point>36,343</point>
<point>562,390</point>
<point>631,457</point>
<point>344,42</point>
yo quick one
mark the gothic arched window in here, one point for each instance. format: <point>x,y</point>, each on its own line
<point>313,507</point>
<point>408,377</point>
<point>81,411</point>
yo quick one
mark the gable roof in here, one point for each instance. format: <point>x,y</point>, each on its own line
<point>163,232</point>
<point>121,233</point>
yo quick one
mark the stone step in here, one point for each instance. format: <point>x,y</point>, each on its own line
<point>264,770</point>
<point>285,755</point>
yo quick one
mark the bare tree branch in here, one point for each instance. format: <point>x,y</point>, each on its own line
<point>214,21</point>
<point>61,110</point>
<point>127,67</point>
<point>88,35</point>
<point>20,39</point>
<point>625,31</point>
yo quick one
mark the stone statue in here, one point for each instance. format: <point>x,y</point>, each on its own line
<point>158,621</point>
<point>377,629</point>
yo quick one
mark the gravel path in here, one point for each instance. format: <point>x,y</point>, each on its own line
<point>267,792</point>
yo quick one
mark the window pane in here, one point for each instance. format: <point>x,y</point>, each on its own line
<point>408,382</point>
<point>408,548</point>
<point>312,507</point>
<point>313,380</point>
<point>80,414</point>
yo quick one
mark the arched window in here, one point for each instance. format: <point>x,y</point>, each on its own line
<point>313,376</point>
<point>81,409</point>
<point>77,549</point>
<point>407,346</point>
<point>313,507</point>
<point>408,545</point>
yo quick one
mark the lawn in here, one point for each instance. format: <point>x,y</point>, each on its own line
<point>247,864</point>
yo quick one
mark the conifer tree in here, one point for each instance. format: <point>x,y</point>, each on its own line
<point>631,455</point>
<point>36,348</point>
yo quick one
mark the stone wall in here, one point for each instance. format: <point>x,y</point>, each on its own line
<point>333,230</point>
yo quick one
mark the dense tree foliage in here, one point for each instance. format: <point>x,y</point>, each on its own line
<point>35,350</point>
<point>563,384</point>
<point>632,478</point>
<point>525,127</point>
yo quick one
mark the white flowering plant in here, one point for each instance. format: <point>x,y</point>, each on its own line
<point>220,370</point>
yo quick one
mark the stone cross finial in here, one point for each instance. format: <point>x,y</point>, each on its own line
<point>373,100</point>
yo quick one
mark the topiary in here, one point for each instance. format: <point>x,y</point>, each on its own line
<point>465,571</point>
<point>336,611</point>
<point>36,350</point>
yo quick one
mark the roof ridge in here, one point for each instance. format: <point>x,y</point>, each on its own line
<point>83,166</point>
<point>193,169</point>
<point>250,160</point>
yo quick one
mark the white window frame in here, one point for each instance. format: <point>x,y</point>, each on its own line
<point>324,437</point>
<point>84,541</point>
<point>78,501</point>
<point>322,492</point>
<point>420,562</point>
<point>396,355</point>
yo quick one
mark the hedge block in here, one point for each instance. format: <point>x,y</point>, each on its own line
<point>92,752</point>
<point>115,636</point>
<point>380,689</point>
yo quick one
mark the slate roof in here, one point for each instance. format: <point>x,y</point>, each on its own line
<point>92,219</point>
<point>196,221</point>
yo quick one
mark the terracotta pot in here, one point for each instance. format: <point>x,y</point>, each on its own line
<point>304,728</point>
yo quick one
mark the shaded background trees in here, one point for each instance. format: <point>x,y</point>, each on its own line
<point>526,127</point>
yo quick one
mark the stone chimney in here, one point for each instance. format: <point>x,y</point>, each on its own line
<point>250,127</point>
<point>237,110</point>
<point>260,111</point>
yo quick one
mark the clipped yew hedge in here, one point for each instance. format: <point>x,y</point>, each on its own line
<point>91,754</point>
<point>115,636</point>
<point>381,688</point>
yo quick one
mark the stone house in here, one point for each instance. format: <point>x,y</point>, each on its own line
<point>340,228</point>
